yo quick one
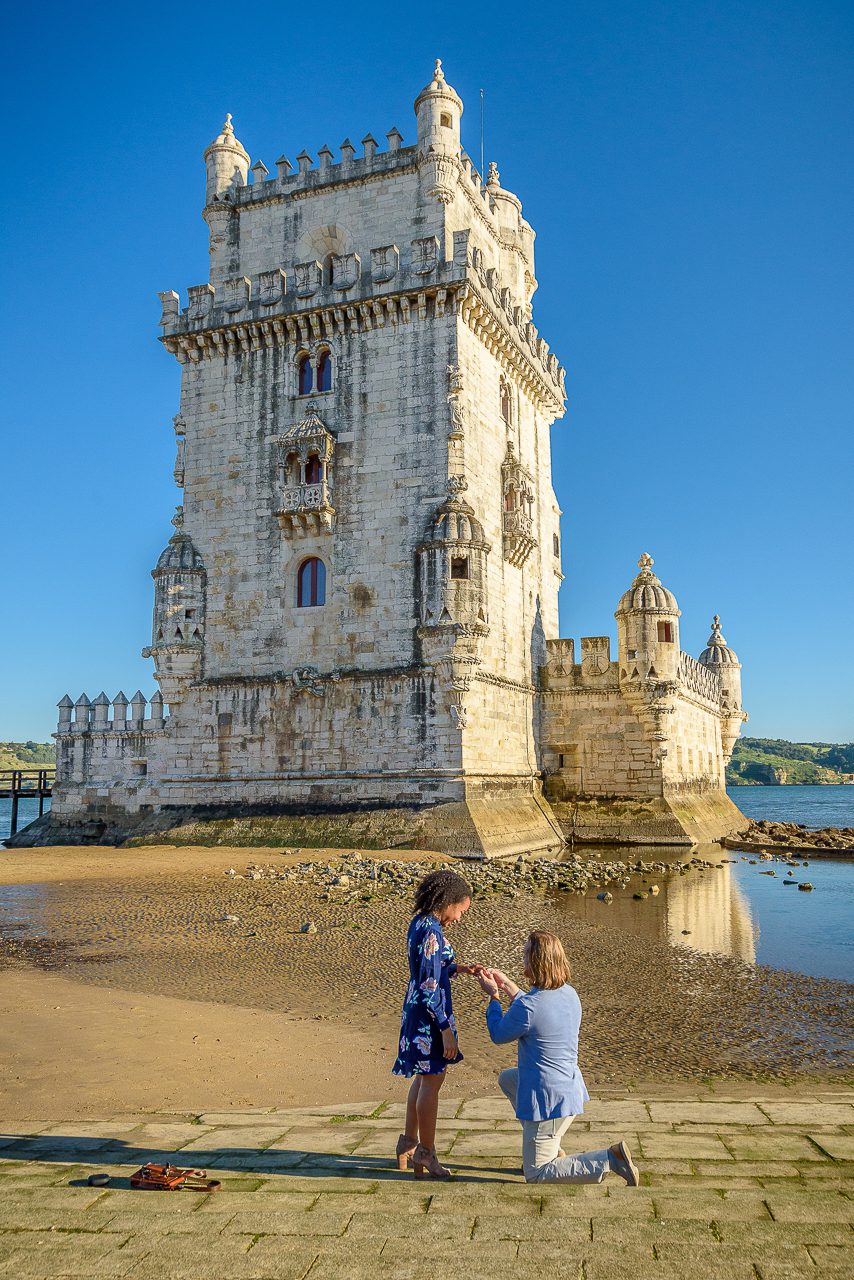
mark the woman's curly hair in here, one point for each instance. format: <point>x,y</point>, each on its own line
<point>440,889</point>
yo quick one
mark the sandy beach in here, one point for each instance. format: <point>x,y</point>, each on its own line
<point>179,979</point>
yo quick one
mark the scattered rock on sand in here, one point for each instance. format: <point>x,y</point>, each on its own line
<point>309,927</point>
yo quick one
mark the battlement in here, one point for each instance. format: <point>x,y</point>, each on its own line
<point>307,175</point>
<point>698,679</point>
<point>85,716</point>
<point>297,303</point>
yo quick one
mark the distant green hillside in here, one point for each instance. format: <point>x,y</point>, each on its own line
<point>764,761</point>
<point>26,755</point>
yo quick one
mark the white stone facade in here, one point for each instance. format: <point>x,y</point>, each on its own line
<point>358,609</point>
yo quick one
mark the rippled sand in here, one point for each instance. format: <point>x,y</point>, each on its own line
<point>155,923</point>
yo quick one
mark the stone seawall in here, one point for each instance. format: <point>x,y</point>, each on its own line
<point>682,819</point>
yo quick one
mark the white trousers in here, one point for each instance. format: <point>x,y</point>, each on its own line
<point>541,1144</point>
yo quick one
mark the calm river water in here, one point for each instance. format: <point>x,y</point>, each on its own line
<point>734,910</point>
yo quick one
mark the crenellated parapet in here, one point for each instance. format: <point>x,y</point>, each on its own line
<point>294,306</point>
<point>119,716</point>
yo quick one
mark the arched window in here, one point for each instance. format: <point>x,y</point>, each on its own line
<point>505,402</point>
<point>313,470</point>
<point>311,584</point>
<point>304,372</point>
<point>324,372</point>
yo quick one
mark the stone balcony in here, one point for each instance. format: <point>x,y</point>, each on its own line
<point>519,540</point>
<point>304,509</point>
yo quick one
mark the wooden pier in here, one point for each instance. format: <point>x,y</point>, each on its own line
<point>18,783</point>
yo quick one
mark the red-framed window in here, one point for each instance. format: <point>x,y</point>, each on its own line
<point>311,584</point>
<point>304,375</point>
<point>324,372</point>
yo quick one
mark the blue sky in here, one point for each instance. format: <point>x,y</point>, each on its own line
<point>687,168</point>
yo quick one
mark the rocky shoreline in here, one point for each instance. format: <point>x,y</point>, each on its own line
<point>793,837</point>
<point>354,878</point>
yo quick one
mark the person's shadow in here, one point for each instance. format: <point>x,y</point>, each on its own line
<point>298,1163</point>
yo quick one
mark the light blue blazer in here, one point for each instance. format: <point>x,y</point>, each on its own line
<point>546,1024</point>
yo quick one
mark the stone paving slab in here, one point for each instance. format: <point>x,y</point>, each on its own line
<point>747,1185</point>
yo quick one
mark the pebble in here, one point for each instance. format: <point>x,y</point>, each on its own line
<point>309,927</point>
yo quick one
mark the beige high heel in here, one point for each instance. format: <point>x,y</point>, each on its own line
<point>404,1151</point>
<point>426,1164</point>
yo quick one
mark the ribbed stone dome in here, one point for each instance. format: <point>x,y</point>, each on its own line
<point>455,521</point>
<point>226,138</point>
<point>646,592</point>
<point>179,554</point>
<point>439,88</point>
<point>717,653</point>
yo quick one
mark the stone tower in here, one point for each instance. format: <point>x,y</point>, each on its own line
<point>352,614</point>
<point>355,624</point>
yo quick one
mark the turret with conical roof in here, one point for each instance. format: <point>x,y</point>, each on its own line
<point>648,628</point>
<point>178,628</point>
<point>718,657</point>
<point>226,162</point>
<point>438,109</point>
<point>227,168</point>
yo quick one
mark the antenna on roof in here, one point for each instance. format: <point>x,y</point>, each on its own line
<point>482,170</point>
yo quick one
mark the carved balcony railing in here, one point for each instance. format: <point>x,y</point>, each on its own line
<point>698,679</point>
<point>305,508</point>
<point>519,540</point>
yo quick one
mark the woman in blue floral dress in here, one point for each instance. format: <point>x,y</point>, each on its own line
<point>428,1031</point>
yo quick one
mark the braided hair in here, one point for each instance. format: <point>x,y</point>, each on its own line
<point>440,889</point>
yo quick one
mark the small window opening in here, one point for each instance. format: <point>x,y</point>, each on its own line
<point>189,613</point>
<point>510,499</point>
<point>445,120</point>
<point>665,632</point>
<point>324,372</point>
<point>304,375</point>
<point>459,566</point>
<point>560,761</point>
<point>506,409</point>
<point>313,470</point>
<point>311,584</point>
<point>330,268</point>
<point>556,544</point>
<point>633,653</point>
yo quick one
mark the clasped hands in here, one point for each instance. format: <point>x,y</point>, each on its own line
<point>491,980</point>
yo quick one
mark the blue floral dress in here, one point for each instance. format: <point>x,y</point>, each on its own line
<point>427,1008</point>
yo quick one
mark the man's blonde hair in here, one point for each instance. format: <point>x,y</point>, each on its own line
<point>547,960</point>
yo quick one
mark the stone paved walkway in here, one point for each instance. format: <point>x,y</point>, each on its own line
<point>754,1184</point>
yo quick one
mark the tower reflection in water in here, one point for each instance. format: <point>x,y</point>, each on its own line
<point>705,909</point>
